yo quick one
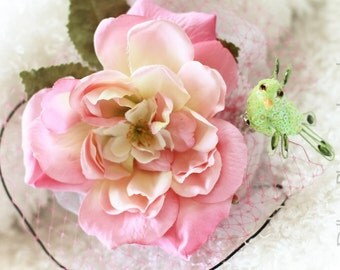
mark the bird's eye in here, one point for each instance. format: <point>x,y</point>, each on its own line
<point>263,87</point>
<point>280,93</point>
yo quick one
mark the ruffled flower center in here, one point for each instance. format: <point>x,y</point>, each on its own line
<point>140,134</point>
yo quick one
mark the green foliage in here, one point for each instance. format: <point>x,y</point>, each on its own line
<point>84,17</point>
<point>36,80</point>
<point>234,50</point>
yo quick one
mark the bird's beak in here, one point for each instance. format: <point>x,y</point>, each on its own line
<point>268,103</point>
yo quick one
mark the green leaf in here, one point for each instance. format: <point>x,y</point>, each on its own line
<point>36,80</point>
<point>84,17</point>
<point>234,50</point>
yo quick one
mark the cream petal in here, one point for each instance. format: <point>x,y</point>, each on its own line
<point>170,45</point>
<point>116,171</point>
<point>149,184</point>
<point>143,111</point>
<point>120,129</point>
<point>144,156</point>
<point>117,149</point>
<point>121,201</point>
<point>151,80</point>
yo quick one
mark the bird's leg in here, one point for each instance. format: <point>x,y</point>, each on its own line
<point>275,140</point>
<point>284,146</point>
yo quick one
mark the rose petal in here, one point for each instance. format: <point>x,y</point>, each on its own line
<point>198,26</point>
<point>205,86</point>
<point>34,175</point>
<point>91,159</point>
<point>99,83</point>
<point>57,114</point>
<point>200,183</point>
<point>233,152</point>
<point>143,111</point>
<point>31,112</point>
<point>152,80</point>
<point>110,41</point>
<point>144,155</point>
<point>182,128</point>
<point>162,164</point>
<point>170,45</point>
<point>117,149</point>
<point>114,230</point>
<point>189,162</point>
<point>149,184</point>
<point>59,154</point>
<point>205,133</point>
<point>214,55</point>
<point>116,171</point>
<point>121,201</point>
<point>194,224</point>
<point>162,116</point>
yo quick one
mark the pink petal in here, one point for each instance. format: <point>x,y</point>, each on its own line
<point>41,180</point>
<point>233,151</point>
<point>110,41</point>
<point>205,133</point>
<point>31,112</point>
<point>58,154</point>
<point>34,175</point>
<point>195,223</point>
<point>114,230</point>
<point>162,164</point>
<point>170,45</point>
<point>205,86</point>
<point>57,114</point>
<point>162,116</point>
<point>198,26</point>
<point>182,128</point>
<point>93,162</point>
<point>91,158</point>
<point>82,96</point>
<point>187,163</point>
<point>200,183</point>
<point>214,55</point>
<point>115,171</point>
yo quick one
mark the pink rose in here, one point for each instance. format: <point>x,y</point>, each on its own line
<point>140,138</point>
